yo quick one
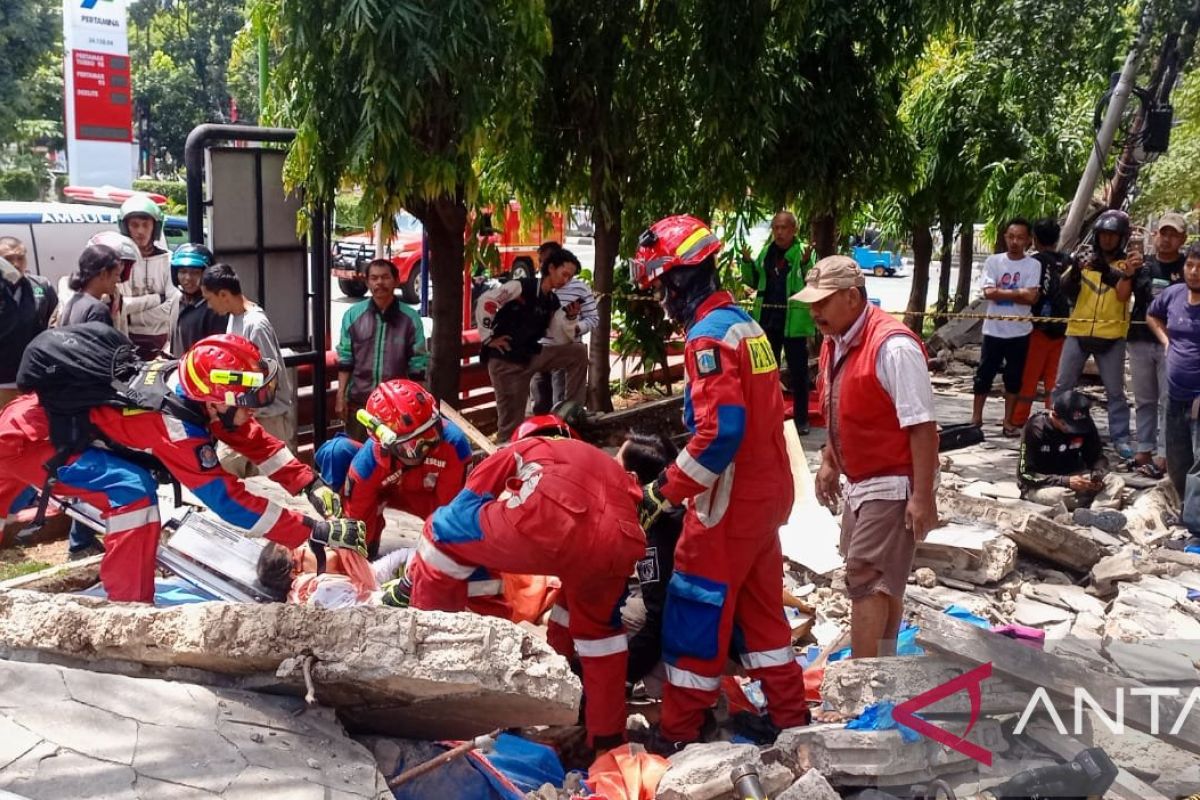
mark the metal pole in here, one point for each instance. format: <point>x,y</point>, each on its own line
<point>424,273</point>
<point>320,315</point>
<point>1106,134</point>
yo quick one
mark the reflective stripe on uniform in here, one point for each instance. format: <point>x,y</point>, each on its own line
<point>741,331</point>
<point>560,616</point>
<point>267,521</point>
<point>274,463</point>
<point>761,659</point>
<point>597,648</point>
<point>694,469</point>
<point>176,432</point>
<point>686,679</point>
<point>484,588</point>
<point>131,519</point>
<point>440,562</point>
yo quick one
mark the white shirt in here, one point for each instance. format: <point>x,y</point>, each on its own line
<point>904,375</point>
<point>1002,272</point>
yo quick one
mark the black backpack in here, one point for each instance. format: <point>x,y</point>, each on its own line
<point>77,368</point>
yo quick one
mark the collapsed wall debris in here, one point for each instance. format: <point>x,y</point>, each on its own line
<point>395,671</point>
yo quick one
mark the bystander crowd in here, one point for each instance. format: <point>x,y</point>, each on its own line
<point>548,389</point>
<point>26,304</point>
<point>1049,322</point>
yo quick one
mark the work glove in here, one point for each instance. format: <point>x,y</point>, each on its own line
<point>349,534</point>
<point>396,593</point>
<point>653,504</point>
<point>325,500</point>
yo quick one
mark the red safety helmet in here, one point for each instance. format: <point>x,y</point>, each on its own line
<point>549,425</point>
<point>404,418</point>
<point>228,369</point>
<point>678,241</point>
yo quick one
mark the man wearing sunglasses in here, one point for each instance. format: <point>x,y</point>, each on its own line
<point>183,410</point>
<point>414,460</point>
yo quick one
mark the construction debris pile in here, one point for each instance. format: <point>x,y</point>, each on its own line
<point>208,700</point>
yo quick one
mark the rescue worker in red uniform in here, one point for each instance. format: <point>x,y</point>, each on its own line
<point>736,481</point>
<point>547,506</point>
<point>227,379</point>
<point>414,459</point>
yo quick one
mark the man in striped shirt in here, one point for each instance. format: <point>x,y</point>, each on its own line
<point>548,389</point>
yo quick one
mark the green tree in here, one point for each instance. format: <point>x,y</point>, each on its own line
<point>1172,183</point>
<point>399,99</point>
<point>30,33</point>
<point>646,109</point>
<point>179,56</point>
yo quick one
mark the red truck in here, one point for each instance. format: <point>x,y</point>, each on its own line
<point>516,249</point>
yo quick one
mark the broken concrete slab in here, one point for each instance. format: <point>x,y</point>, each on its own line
<point>1059,678</point>
<point>1027,525</point>
<point>1112,570</point>
<point>811,786</point>
<point>393,671</point>
<point>850,758</point>
<point>88,734</point>
<point>851,685</point>
<point>1145,662</point>
<point>1146,518</point>
<point>974,553</point>
<point>960,332</point>
<point>1036,614</point>
<point>701,772</point>
<point>1071,597</point>
<point>1171,771</point>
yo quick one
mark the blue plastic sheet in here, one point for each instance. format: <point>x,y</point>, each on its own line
<point>878,717</point>
<point>906,644</point>
<point>1192,548</point>
<point>172,591</point>
<point>526,764</point>
<point>958,612</point>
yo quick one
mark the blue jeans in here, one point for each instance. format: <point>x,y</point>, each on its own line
<point>1111,364</point>
<point>1183,459</point>
<point>81,537</point>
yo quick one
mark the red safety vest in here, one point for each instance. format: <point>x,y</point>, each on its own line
<point>866,434</point>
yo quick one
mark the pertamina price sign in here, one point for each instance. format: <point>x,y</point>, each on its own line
<point>102,101</point>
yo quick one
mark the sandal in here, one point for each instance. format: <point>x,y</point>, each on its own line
<point>1011,431</point>
<point>1149,470</point>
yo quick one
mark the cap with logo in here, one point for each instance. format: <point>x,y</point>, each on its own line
<point>1074,409</point>
<point>829,275</point>
<point>1173,220</point>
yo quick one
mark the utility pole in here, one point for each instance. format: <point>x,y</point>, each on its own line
<point>1104,137</point>
<point>1176,50</point>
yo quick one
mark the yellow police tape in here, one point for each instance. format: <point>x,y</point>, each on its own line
<point>934,313</point>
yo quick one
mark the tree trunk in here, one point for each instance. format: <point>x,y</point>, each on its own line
<point>947,258</point>
<point>966,263</point>
<point>922,255</point>
<point>824,233</point>
<point>606,214</point>
<point>445,221</point>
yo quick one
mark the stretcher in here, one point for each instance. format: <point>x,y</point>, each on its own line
<point>213,556</point>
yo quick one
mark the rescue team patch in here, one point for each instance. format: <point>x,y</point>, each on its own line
<point>761,357</point>
<point>647,568</point>
<point>708,361</point>
<point>206,454</point>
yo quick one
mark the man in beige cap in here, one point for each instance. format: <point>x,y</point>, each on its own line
<point>883,440</point>
<point>1147,356</point>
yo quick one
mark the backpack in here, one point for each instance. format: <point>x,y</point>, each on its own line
<point>77,368</point>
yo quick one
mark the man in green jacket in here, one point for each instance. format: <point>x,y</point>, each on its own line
<point>776,275</point>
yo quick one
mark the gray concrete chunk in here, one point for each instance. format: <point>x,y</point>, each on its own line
<point>394,671</point>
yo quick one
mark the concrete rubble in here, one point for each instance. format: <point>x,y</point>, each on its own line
<point>453,675</point>
<point>77,733</point>
<point>701,772</point>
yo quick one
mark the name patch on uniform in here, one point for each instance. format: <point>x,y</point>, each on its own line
<point>647,568</point>
<point>206,454</point>
<point>761,357</point>
<point>708,361</point>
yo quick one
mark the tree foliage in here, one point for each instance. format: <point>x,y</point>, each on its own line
<point>1172,183</point>
<point>30,35</point>
<point>179,58</point>
<point>399,98</point>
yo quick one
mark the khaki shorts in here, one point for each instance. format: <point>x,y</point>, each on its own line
<point>877,547</point>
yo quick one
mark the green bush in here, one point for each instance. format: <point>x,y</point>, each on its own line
<point>19,183</point>
<point>174,191</point>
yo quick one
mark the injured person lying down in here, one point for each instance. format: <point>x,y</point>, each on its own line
<point>347,579</point>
